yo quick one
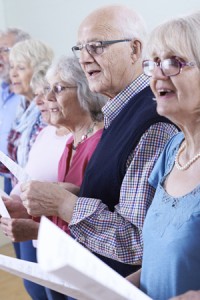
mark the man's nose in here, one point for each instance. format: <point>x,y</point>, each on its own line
<point>85,56</point>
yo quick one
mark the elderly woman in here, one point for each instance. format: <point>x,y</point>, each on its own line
<point>26,58</point>
<point>21,227</point>
<point>171,259</point>
<point>37,167</point>
<point>73,107</point>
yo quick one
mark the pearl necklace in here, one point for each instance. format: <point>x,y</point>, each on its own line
<point>84,136</point>
<point>189,163</point>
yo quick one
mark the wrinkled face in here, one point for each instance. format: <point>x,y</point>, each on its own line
<point>42,104</point>
<point>6,42</point>
<point>63,103</point>
<point>177,96</point>
<point>21,73</point>
<point>110,72</point>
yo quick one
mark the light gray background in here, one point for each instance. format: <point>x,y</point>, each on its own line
<point>56,21</point>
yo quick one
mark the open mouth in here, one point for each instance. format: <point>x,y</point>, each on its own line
<point>54,109</point>
<point>93,73</point>
<point>164,92</point>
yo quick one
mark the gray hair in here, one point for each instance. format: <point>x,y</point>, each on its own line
<point>70,71</point>
<point>18,34</point>
<point>179,35</point>
<point>38,79</point>
<point>32,51</point>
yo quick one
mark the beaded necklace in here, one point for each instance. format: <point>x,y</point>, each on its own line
<point>84,136</point>
<point>189,163</point>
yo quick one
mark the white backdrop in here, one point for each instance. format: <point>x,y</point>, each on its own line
<point>56,21</point>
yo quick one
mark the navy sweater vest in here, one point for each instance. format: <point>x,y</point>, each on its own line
<point>107,167</point>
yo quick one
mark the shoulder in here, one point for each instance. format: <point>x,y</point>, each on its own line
<point>167,155</point>
<point>157,135</point>
<point>164,127</point>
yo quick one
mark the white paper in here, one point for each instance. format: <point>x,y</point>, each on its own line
<point>14,168</point>
<point>2,193</point>
<point>62,256</point>
<point>3,210</point>
<point>31,271</point>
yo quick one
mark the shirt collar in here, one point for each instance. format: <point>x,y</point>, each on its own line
<point>4,84</point>
<point>114,106</point>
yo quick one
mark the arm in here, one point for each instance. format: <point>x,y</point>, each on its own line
<point>15,207</point>
<point>135,278</point>
<point>19,230</point>
<point>72,188</point>
<point>191,295</point>
<point>117,234</point>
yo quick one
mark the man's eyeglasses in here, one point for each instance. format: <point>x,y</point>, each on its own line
<point>4,50</point>
<point>57,89</point>
<point>95,48</point>
<point>169,67</point>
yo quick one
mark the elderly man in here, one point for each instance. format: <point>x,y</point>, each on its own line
<point>107,216</point>
<point>8,100</point>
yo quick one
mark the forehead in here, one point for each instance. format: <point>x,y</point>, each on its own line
<point>7,40</point>
<point>20,62</point>
<point>39,89</point>
<point>54,79</point>
<point>97,28</point>
<point>167,52</point>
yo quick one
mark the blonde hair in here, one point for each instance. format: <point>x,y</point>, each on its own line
<point>32,51</point>
<point>179,35</point>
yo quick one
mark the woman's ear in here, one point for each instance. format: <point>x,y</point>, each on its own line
<point>136,50</point>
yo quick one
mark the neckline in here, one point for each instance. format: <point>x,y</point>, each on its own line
<point>84,136</point>
<point>190,161</point>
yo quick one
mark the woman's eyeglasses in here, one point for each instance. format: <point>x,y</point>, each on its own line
<point>4,50</point>
<point>169,67</point>
<point>57,89</point>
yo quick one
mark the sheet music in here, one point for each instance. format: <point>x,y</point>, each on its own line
<point>2,193</point>
<point>32,271</point>
<point>61,255</point>
<point>3,210</point>
<point>14,168</point>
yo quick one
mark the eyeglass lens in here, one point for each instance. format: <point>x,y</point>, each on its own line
<point>169,67</point>
<point>4,50</point>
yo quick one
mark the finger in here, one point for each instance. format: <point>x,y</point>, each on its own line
<point>5,199</point>
<point>5,221</point>
<point>24,186</point>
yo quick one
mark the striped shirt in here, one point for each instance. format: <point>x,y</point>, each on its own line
<point>118,234</point>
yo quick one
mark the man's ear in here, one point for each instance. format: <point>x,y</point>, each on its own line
<point>136,50</point>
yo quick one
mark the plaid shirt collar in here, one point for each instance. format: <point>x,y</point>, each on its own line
<point>115,105</point>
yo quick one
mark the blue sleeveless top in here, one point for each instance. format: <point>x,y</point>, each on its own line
<point>171,259</point>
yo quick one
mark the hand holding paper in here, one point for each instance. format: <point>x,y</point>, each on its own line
<point>62,256</point>
<point>14,168</point>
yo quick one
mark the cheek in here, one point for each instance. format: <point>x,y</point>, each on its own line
<point>152,85</point>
